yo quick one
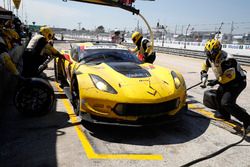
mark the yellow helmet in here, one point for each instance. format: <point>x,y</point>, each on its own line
<point>47,32</point>
<point>136,36</point>
<point>14,35</point>
<point>10,37</point>
<point>212,49</point>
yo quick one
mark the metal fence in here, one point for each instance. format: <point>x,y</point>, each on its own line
<point>244,60</point>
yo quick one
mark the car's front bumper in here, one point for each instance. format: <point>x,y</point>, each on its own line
<point>147,121</point>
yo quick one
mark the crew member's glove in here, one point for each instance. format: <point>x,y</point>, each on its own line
<point>212,82</point>
<point>65,57</point>
<point>141,57</point>
<point>204,77</point>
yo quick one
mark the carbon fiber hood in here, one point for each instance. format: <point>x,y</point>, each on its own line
<point>129,69</point>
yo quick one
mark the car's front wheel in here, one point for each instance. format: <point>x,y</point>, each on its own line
<point>75,96</point>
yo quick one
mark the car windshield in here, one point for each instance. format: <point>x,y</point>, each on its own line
<point>107,55</point>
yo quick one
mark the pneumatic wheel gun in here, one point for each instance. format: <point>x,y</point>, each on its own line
<point>204,80</point>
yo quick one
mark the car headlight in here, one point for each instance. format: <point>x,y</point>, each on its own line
<point>177,80</point>
<point>101,84</point>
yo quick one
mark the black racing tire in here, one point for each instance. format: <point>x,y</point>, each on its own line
<point>75,96</point>
<point>210,99</point>
<point>35,97</point>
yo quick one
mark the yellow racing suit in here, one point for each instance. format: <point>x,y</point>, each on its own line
<point>5,58</point>
<point>232,81</point>
<point>144,49</point>
<point>36,54</point>
<point>226,69</point>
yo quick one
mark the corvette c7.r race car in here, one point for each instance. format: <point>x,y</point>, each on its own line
<point>110,85</point>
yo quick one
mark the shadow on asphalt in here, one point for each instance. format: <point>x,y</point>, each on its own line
<point>189,128</point>
<point>30,141</point>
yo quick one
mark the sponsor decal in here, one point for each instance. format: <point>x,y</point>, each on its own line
<point>149,67</point>
<point>82,48</point>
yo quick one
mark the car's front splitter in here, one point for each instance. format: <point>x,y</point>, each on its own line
<point>149,121</point>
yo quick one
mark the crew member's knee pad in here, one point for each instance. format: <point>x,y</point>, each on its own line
<point>226,105</point>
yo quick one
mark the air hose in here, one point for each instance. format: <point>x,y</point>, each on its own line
<point>217,152</point>
<point>150,31</point>
<point>194,86</point>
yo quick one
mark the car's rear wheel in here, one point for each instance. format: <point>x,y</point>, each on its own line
<point>35,97</point>
<point>75,96</point>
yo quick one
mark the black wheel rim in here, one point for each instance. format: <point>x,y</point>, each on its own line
<point>33,100</point>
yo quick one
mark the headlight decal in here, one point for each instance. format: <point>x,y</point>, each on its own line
<point>101,84</point>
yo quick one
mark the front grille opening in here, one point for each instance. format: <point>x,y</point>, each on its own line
<point>124,109</point>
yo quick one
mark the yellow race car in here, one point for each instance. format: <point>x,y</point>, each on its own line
<point>110,85</point>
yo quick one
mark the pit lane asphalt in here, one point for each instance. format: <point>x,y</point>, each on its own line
<point>60,139</point>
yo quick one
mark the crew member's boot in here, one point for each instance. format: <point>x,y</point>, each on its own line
<point>225,117</point>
